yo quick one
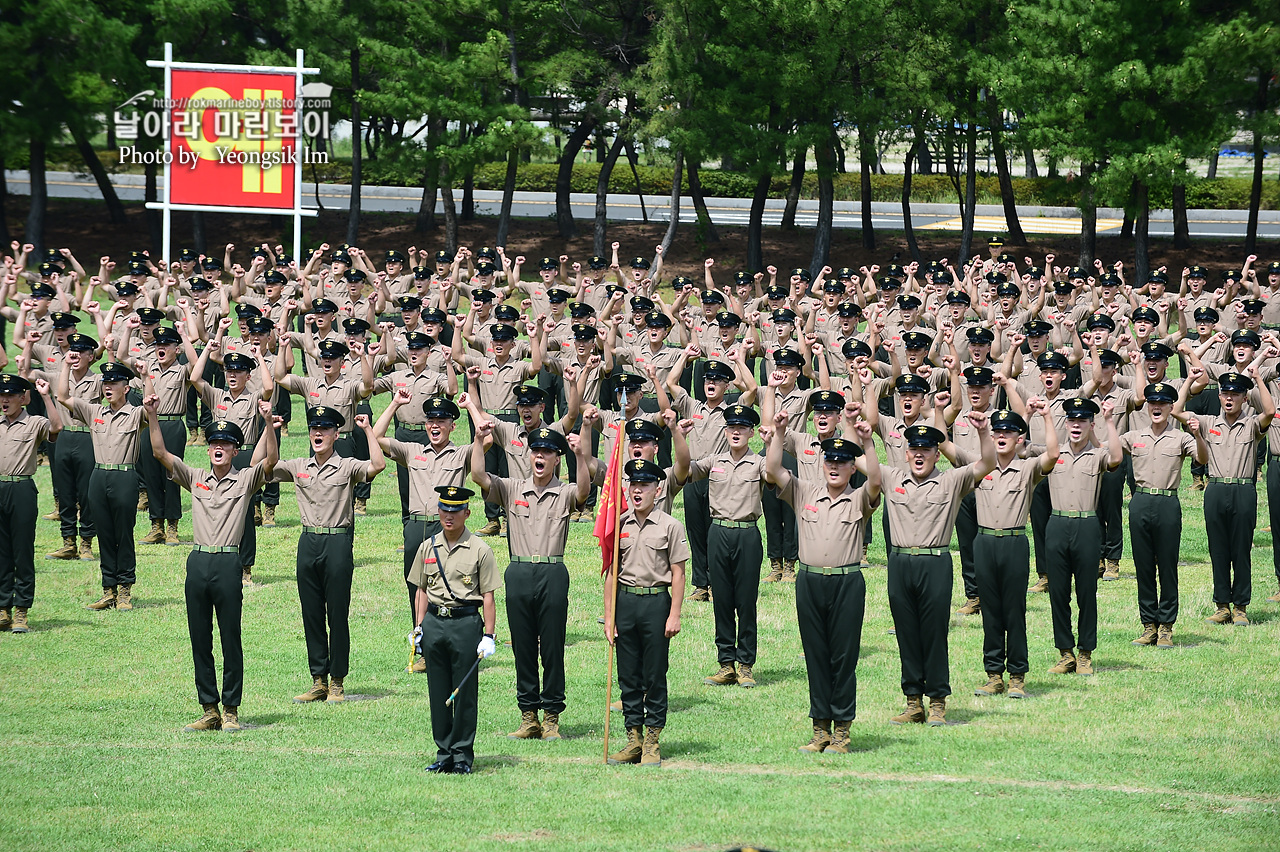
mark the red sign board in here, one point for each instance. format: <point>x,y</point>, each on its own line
<point>233,139</point>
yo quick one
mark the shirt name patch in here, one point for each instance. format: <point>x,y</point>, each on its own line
<point>810,507</point>
<point>524,503</point>
<point>1139,446</point>
<point>717,470</point>
<point>900,490</point>
<point>202,485</point>
<point>304,476</point>
<point>1215,432</point>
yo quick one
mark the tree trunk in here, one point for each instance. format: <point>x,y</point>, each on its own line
<point>826,157</point>
<point>866,154</point>
<point>1088,218</point>
<point>469,195</point>
<point>1255,193</point>
<point>1213,164</point>
<point>1126,226</point>
<point>5,237</point>
<point>1028,153</point>
<point>672,225</point>
<point>1141,237</point>
<point>39,193</point>
<point>907,227</point>
<point>450,211</point>
<point>115,210</point>
<point>198,241</point>
<point>1011,223</point>
<point>755,227</point>
<point>970,181</point>
<point>357,151</point>
<point>1181,227</point>
<point>564,177</point>
<point>793,191</point>
<point>426,220</point>
<point>634,160</point>
<point>1053,167</point>
<point>924,157</point>
<point>508,194</point>
<point>602,194</point>
<point>706,227</point>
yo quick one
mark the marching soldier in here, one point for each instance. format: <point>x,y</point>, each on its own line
<point>21,435</point>
<point>537,581</point>
<point>649,580</point>
<point>1073,537</point>
<point>1155,513</point>
<point>166,378</point>
<point>455,575</point>
<point>832,517</point>
<point>220,500</point>
<point>325,488</point>
<point>115,426</point>
<point>922,503</point>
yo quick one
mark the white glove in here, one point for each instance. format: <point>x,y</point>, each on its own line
<point>486,646</point>
<point>415,637</point>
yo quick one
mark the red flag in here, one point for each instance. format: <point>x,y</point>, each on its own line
<point>613,504</point>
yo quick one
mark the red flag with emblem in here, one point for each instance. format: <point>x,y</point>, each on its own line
<point>613,503</point>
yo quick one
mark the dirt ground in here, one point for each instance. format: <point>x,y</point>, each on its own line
<point>83,227</point>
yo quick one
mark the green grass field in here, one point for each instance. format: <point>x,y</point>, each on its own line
<point>1160,750</point>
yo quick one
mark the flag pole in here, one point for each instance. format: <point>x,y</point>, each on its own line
<point>616,494</point>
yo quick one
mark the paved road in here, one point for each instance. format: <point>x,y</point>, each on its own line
<point>724,211</point>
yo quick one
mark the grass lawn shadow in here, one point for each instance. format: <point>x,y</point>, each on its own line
<point>770,676</point>
<point>154,603</point>
<point>48,625</point>
<point>495,762</point>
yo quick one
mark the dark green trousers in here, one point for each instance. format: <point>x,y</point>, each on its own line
<point>1111,510</point>
<point>1273,505</point>
<point>163,494</point>
<point>1155,535</point>
<point>1072,547</point>
<point>415,533</point>
<point>360,445</point>
<point>697,519</point>
<point>70,467</point>
<point>829,614</point>
<point>734,555</point>
<point>325,567</point>
<point>1041,508</point>
<point>249,534</point>
<point>966,532</point>
<point>920,601</point>
<point>18,513</point>
<point>213,585</point>
<point>643,654</point>
<point>114,497</point>
<point>538,616</point>
<point>781,537</point>
<point>1230,515</point>
<point>449,650</point>
<point>1002,565</point>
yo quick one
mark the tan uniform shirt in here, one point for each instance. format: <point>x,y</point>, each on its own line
<point>513,438</point>
<point>591,393</point>
<point>324,491</point>
<point>1076,479</point>
<point>734,486</point>
<point>170,384</point>
<point>890,429</point>
<point>807,450</point>
<point>642,356</point>
<point>498,382</point>
<point>1003,496</point>
<point>343,395</point>
<point>218,506</point>
<point>923,514</point>
<point>707,437</point>
<point>421,387</point>
<point>20,441</point>
<point>429,468</point>
<point>646,551</point>
<point>1232,447</point>
<point>458,574</point>
<point>830,531</point>
<point>115,434</point>
<point>89,389</point>
<point>537,521</point>
<point>1157,459</point>
<point>241,410</point>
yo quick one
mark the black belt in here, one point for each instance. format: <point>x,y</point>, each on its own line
<point>413,427</point>
<point>1001,533</point>
<point>643,590</point>
<point>453,611</point>
<point>539,560</point>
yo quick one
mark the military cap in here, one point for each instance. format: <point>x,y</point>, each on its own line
<point>81,343</point>
<point>1109,358</point>
<point>548,263</point>
<point>612,290</point>
<point>657,319</point>
<point>581,310</point>
<point>394,256</point>
<point>324,417</point>
<point>1035,272</point>
<point>1038,328</point>
<point>719,371</point>
<point>629,382</point>
<point>557,295</point>
<point>1065,288</point>
<point>355,325</point>
<point>885,282</point>
<point>43,291</point>
<point>333,349</point>
<point>827,401</point>
<point>166,335</point>
<point>340,255</point>
<point>916,340</point>
<point>260,325</point>
<point>995,242</point>
<point>52,255</point>
<point>211,264</point>
<point>485,267</point>
<point>854,348</point>
<point>1235,383</point>
<point>435,316</point>
<point>1273,268</point>
<point>1245,337</point>
<point>840,450</point>
<point>244,311</point>
<point>1146,313</point>
<point>908,302</point>
<point>849,309</point>
<point>910,384</point>
<point>1078,408</point>
<point>1109,279</point>
<point>1197,271</point>
<point>1156,276</point>
<point>1097,320</point>
<point>504,333</point>
<point>1052,361</point>
<point>788,358</point>
<point>845,272</point>
<point>776,291</point>
<point>506,313</point>
<point>979,334</point>
<point>923,436</point>
<point>895,270</point>
<point>1008,290</point>
<point>1204,313</point>
<point>1006,257</point>
<point>597,262</point>
<point>711,297</point>
<point>487,253</point>
<point>274,279</point>
<point>483,294</point>
<point>188,255</point>
<point>1252,306</point>
<point>63,319</point>
<point>785,315</point>
<point>801,273</point>
<point>421,273</point>
<point>47,269</point>
<point>530,395</point>
<point>643,470</point>
<point>1005,420</point>
<point>741,415</point>
<point>238,361</point>
<point>548,439</point>
<point>940,277</point>
<point>639,429</point>
<point>13,383</point>
<point>958,297</point>
<point>440,407</point>
<point>115,371</point>
<point>979,376</point>
<point>418,340</point>
<point>641,304</point>
<point>832,285</point>
<point>283,260</point>
<point>149,316</point>
<point>137,267</point>
<point>408,303</point>
<point>728,319</point>
<point>442,256</point>
<point>680,282</point>
<point>355,276</point>
<point>584,331</point>
<point>994,277</point>
<point>1154,351</point>
<point>639,263</point>
<point>224,430</point>
<point>260,252</point>
<point>1160,392</point>
<point>454,498</point>
<point>323,306</point>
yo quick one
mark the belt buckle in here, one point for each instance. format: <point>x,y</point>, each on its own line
<point>444,611</point>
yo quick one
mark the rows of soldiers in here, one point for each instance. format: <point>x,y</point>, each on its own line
<point>1046,389</point>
